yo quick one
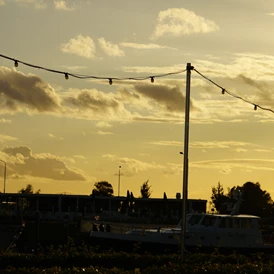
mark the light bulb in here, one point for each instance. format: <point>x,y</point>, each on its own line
<point>16,63</point>
<point>255,107</point>
<point>223,91</point>
<point>110,81</point>
<point>66,76</point>
<point>152,79</point>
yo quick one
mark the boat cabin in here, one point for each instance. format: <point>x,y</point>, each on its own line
<point>219,221</point>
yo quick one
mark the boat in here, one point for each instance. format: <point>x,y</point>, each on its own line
<point>204,231</point>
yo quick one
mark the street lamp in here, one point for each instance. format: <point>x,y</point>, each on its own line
<point>5,174</point>
<point>119,177</point>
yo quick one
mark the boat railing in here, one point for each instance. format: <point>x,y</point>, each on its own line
<point>124,227</point>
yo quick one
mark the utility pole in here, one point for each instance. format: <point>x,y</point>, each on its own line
<point>185,172</point>
<point>5,174</point>
<point>119,177</point>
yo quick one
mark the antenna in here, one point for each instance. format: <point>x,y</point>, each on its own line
<point>237,195</point>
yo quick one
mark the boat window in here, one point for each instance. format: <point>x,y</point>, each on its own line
<point>246,223</point>
<point>229,223</point>
<point>249,223</point>
<point>243,223</point>
<point>209,220</point>
<point>236,223</point>
<point>223,223</point>
<point>195,219</point>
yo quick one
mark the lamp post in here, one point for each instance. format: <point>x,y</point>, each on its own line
<point>119,177</point>
<point>5,174</point>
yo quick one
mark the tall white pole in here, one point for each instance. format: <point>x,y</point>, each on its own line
<point>5,174</point>
<point>185,172</point>
<point>119,177</point>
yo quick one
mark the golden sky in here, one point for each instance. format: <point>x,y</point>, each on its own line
<point>64,135</point>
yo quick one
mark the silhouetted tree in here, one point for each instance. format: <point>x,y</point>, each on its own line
<point>102,188</point>
<point>24,203</point>
<point>146,190</point>
<point>28,190</point>
<point>219,198</point>
<point>255,200</point>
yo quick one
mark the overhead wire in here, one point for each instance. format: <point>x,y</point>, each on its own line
<point>135,78</point>
<point>224,90</point>
<point>83,76</point>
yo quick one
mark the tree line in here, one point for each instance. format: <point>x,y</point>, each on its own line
<point>101,188</point>
<point>104,188</point>
<point>255,201</point>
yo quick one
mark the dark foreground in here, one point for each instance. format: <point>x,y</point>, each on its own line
<point>84,259</point>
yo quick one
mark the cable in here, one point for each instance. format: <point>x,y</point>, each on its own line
<point>256,106</point>
<point>82,76</point>
<point>141,78</point>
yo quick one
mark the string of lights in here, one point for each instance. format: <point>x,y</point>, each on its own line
<point>224,91</point>
<point>136,78</point>
<point>82,76</point>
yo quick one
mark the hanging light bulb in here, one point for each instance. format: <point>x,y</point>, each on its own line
<point>223,91</point>
<point>110,81</point>
<point>152,79</point>
<point>16,63</point>
<point>255,107</point>
<point>66,75</point>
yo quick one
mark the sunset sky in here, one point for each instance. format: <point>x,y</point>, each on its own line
<point>62,135</point>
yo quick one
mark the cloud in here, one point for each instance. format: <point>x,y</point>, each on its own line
<point>157,120</point>
<point>20,90</point>
<point>4,121</point>
<point>7,138</point>
<point>38,4</point>
<point>250,64</point>
<point>271,14</point>
<point>81,46</point>
<point>263,90</point>
<point>207,145</point>
<point>103,124</point>
<point>241,149</point>
<point>154,70</point>
<point>144,46</point>
<point>100,132</point>
<point>179,21</point>
<point>55,137</point>
<point>167,143</point>
<point>81,157</point>
<point>97,104</point>
<point>22,162</point>
<point>262,150</point>
<point>133,166</point>
<point>62,5</point>
<point>219,144</point>
<point>74,68</point>
<point>109,48</point>
<point>227,165</point>
<point>170,98</point>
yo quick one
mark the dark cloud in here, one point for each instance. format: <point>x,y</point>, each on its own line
<point>171,98</point>
<point>94,100</point>
<point>157,120</point>
<point>264,90</point>
<point>24,163</point>
<point>127,95</point>
<point>14,151</point>
<point>26,90</point>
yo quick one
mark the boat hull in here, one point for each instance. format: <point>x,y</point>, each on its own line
<point>137,243</point>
